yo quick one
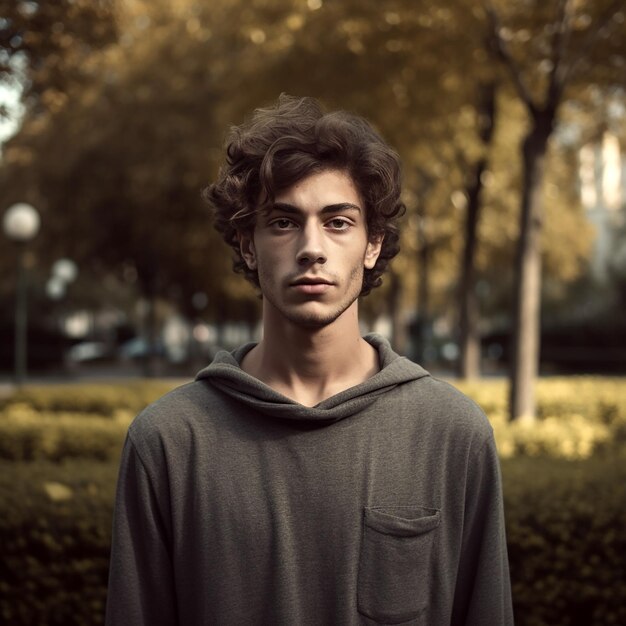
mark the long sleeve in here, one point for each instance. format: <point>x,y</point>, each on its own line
<point>141,582</point>
<point>483,588</point>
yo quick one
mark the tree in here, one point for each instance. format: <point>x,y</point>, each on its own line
<point>117,161</point>
<point>116,166</point>
<point>568,34</point>
<point>469,338</point>
<point>43,44</point>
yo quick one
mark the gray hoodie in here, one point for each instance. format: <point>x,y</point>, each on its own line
<point>380,505</point>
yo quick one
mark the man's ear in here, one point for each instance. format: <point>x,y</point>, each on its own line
<point>372,251</point>
<point>247,249</point>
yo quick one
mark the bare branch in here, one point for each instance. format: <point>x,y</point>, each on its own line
<point>504,54</point>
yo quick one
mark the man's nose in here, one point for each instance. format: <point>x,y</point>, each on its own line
<point>311,249</point>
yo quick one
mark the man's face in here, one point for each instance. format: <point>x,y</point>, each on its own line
<point>311,248</point>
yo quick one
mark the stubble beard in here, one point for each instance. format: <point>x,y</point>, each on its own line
<point>312,320</point>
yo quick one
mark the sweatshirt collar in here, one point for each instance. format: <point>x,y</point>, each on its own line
<point>225,374</point>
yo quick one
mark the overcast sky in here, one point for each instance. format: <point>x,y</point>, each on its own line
<point>9,98</point>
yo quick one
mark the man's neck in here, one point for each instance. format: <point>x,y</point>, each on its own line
<point>310,365</point>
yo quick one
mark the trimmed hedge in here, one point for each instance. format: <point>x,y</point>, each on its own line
<point>55,533</point>
<point>566,516</point>
<point>104,399</point>
<point>599,399</point>
<point>566,525</point>
<point>578,417</point>
<point>29,436</point>
<point>566,533</point>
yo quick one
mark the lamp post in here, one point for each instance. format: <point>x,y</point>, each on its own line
<point>21,224</point>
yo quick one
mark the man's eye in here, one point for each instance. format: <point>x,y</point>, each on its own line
<point>339,224</point>
<point>282,224</point>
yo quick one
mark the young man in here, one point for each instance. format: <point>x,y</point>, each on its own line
<point>316,477</point>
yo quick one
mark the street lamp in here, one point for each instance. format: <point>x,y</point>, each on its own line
<point>21,224</point>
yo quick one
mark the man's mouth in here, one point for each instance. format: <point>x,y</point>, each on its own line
<point>311,285</point>
<point>311,280</point>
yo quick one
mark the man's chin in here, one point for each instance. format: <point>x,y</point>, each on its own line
<point>312,315</point>
<point>311,319</point>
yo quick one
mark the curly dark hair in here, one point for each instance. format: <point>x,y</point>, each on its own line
<point>283,144</point>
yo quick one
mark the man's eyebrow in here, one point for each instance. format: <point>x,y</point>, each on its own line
<point>285,207</point>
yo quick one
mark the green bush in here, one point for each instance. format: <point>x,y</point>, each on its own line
<point>566,436</point>
<point>566,532</point>
<point>566,525</point>
<point>576,416</point>
<point>29,436</point>
<point>598,399</point>
<point>104,399</point>
<point>564,488</point>
<point>55,533</point>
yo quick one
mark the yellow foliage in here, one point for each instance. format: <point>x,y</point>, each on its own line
<point>567,437</point>
<point>577,416</point>
<point>26,435</point>
<point>58,492</point>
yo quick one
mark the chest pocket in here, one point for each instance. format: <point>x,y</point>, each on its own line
<point>394,577</point>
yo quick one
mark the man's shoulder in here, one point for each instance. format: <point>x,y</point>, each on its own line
<point>449,408</point>
<point>173,413</point>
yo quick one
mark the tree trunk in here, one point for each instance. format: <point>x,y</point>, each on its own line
<point>469,337</point>
<point>469,342</point>
<point>526,314</point>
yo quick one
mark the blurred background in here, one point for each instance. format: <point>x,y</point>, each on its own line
<point>510,119</point>
<point>114,117</point>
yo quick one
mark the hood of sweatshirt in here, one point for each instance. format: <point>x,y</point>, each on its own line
<point>225,374</point>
